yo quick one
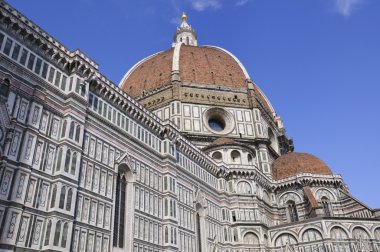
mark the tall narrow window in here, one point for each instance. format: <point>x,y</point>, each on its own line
<point>62,197</point>
<point>166,235</point>
<point>235,233</point>
<point>292,211</point>
<point>59,159</point>
<point>117,206</point>
<point>249,158</point>
<point>64,235</point>
<point>73,163</point>
<point>7,47</point>
<point>57,233</point>
<point>326,206</point>
<point>77,133</point>
<point>69,199</point>
<point>53,195</point>
<point>199,238</point>
<point>67,160</point>
<point>233,216</point>
<point>166,207</point>
<point>63,132</point>
<point>16,51</point>
<point>47,234</point>
<point>71,132</point>
<point>118,239</point>
<point>23,57</point>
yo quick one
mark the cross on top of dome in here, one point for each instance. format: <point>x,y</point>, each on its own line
<point>185,34</point>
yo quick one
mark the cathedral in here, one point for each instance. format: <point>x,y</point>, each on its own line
<point>185,154</point>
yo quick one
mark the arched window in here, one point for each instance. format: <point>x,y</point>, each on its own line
<point>187,41</point>
<point>251,238</point>
<point>59,160</point>
<point>250,159</point>
<point>64,235</point>
<point>53,195</point>
<point>326,206</point>
<point>57,233</point>
<point>235,157</point>
<point>71,132</point>
<point>121,184</point>
<point>63,132</point>
<point>311,235</point>
<point>292,211</point>
<point>377,234</point>
<point>47,233</point>
<point>73,163</point>
<point>359,233</point>
<point>62,197</point>
<point>244,187</point>
<point>217,156</point>
<point>69,199</point>
<point>67,160</point>
<point>285,239</point>
<point>338,233</point>
<point>77,133</point>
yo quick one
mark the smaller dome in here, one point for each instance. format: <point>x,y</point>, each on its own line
<point>295,163</point>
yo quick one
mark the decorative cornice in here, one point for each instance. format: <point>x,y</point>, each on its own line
<point>308,179</point>
<point>23,28</point>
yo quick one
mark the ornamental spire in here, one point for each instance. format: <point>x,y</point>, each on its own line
<point>185,34</point>
<point>184,17</point>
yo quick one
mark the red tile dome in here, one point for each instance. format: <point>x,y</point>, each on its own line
<point>206,65</point>
<point>295,163</point>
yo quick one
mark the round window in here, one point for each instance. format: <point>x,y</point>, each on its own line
<point>216,124</point>
<point>217,156</point>
<point>218,120</point>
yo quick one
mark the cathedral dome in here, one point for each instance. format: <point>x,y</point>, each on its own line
<point>295,163</point>
<point>204,65</point>
<point>191,73</point>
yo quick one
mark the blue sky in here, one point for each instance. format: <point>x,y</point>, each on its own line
<point>318,61</point>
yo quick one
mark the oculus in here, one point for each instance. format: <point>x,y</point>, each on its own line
<point>218,120</point>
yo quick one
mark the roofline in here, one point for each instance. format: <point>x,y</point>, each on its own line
<point>266,100</point>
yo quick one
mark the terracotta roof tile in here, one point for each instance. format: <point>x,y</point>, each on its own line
<point>197,64</point>
<point>223,140</point>
<point>208,65</point>
<point>151,74</point>
<point>294,163</point>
